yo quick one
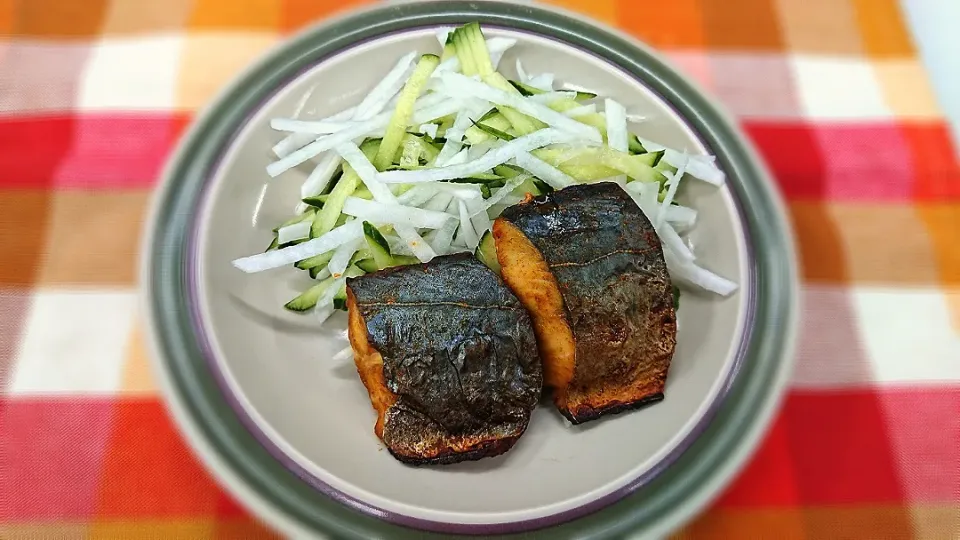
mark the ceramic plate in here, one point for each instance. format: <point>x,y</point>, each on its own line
<point>291,432</point>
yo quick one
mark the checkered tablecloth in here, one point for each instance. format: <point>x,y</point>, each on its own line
<point>94,94</point>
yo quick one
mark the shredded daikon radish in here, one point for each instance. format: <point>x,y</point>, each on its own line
<point>322,275</point>
<point>325,304</point>
<point>440,202</point>
<point>547,98</point>
<point>341,257</point>
<point>429,130</point>
<point>478,218</point>
<point>293,232</point>
<point>543,170</point>
<point>495,157</point>
<point>616,124</point>
<point>394,214</point>
<point>289,255</point>
<point>698,276</point>
<point>366,171</point>
<point>467,235</point>
<point>496,47</point>
<point>320,177</point>
<point>461,85</point>
<point>544,81</point>
<point>502,193</point>
<point>418,246</point>
<point>673,182</point>
<point>581,111</point>
<point>440,239</point>
<point>343,354</point>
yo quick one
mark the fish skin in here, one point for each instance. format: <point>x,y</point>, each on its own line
<point>458,354</point>
<point>617,295</point>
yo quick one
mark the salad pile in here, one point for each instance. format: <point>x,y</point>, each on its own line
<point>439,147</point>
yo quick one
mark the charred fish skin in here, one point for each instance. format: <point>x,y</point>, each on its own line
<point>608,265</point>
<point>459,359</point>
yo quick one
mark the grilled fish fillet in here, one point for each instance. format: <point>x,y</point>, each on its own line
<point>588,266</point>
<point>448,356</point>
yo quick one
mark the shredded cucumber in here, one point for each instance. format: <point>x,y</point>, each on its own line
<point>404,111</point>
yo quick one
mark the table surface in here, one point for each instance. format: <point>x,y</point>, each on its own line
<point>94,94</point>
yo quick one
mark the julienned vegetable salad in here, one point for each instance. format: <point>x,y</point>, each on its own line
<point>439,147</point>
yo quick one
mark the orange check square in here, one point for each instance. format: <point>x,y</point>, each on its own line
<point>24,216</point>
<point>745,25</point>
<point>59,18</point>
<point>236,15</point>
<point>821,250</point>
<point>677,25</point>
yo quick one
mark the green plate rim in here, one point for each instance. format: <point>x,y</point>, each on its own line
<point>283,499</point>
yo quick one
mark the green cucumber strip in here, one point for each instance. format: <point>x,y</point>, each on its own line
<point>650,158</point>
<point>633,166</point>
<point>476,135</point>
<point>485,191</point>
<point>315,271</point>
<point>522,123</point>
<point>528,90</point>
<point>340,299</point>
<point>378,245</point>
<point>273,245</point>
<point>634,145</point>
<point>676,297</point>
<point>469,39</point>
<point>528,186</point>
<point>487,252</point>
<point>487,115</point>
<point>367,265</point>
<point>317,261</point>
<point>308,299</point>
<point>468,65</point>
<point>493,131</point>
<point>328,217</point>
<point>508,171</point>
<point>449,50</point>
<point>401,115</point>
<point>297,219</point>
<point>316,202</point>
<point>428,150</point>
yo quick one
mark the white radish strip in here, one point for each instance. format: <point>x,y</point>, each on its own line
<point>356,131</point>
<point>700,277</point>
<point>417,195</point>
<point>388,87</point>
<point>521,73</point>
<point>549,97</point>
<point>293,232</point>
<point>544,171</point>
<point>320,177</point>
<point>394,214</point>
<point>341,257</point>
<point>366,171</point>
<point>700,167</point>
<point>420,248</point>
<point>454,135</point>
<point>314,127</point>
<point>466,86</point>
<point>297,140</point>
<point>673,182</point>
<point>397,245</point>
<point>673,243</point>
<point>576,88</point>
<point>464,192</point>
<point>324,307</point>
<point>461,157</point>
<point>322,275</point>
<point>289,255</point>
<point>477,151</point>
<point>441,239</point>
<point>495,157</point>
<point>544,81</point>
<point>581,111</point>
<point>478,217</point>
<point>429,130</point>
<point>343,354</point>
<point>637,118</point>
<point>616,125</point>
<point>502,193</point>
<point>467,234</point>
<point>438,203</point>
<point>681,215</point>
<point>429,113</point>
